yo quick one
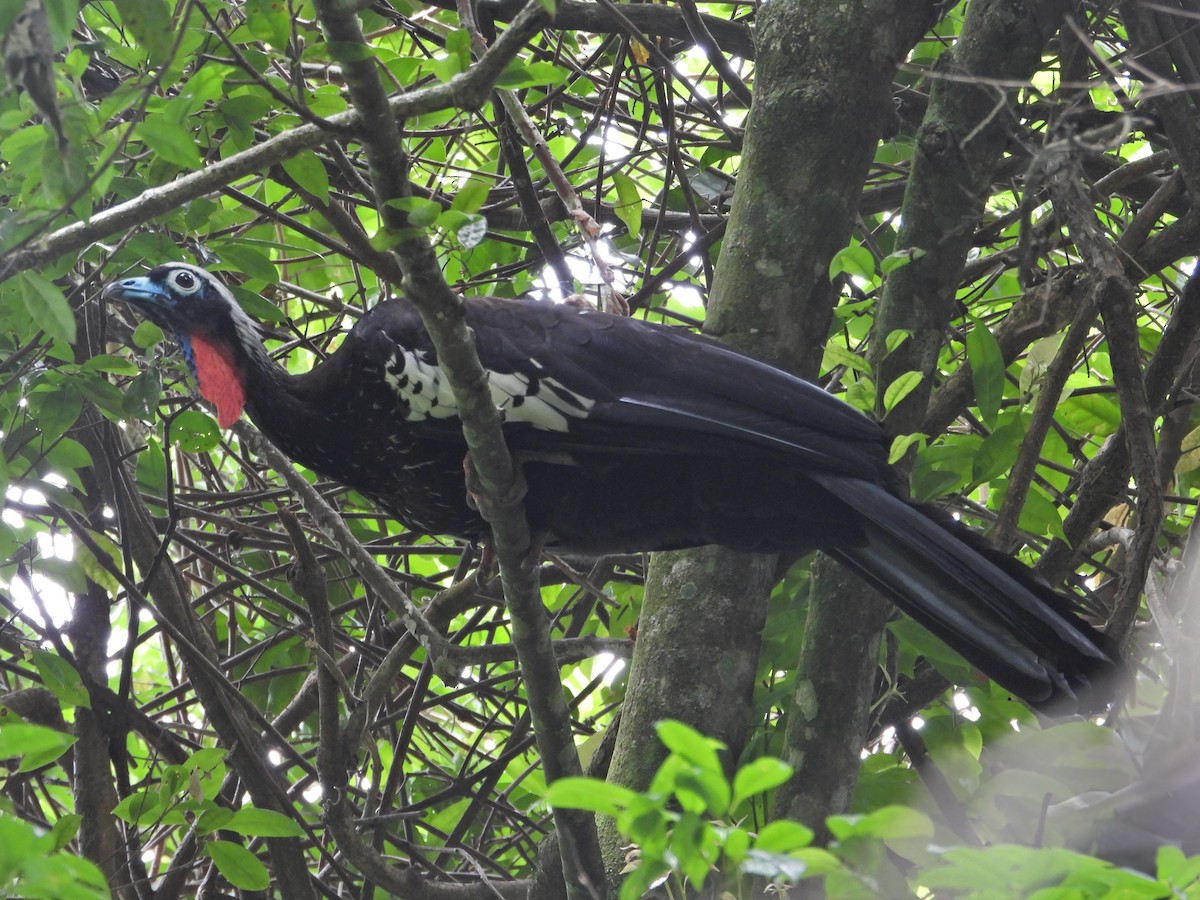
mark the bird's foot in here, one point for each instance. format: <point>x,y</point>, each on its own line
<point>489,506</point>
<point>484,569</point>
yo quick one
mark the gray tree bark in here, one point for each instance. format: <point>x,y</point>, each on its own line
<point>822,102</point>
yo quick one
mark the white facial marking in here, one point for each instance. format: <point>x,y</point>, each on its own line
<point>186,280</point>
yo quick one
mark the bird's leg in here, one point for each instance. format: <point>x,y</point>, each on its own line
<point>487,559</point>
<point>477,499</point>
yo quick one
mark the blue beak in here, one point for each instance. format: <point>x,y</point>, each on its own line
<point>150,298</point>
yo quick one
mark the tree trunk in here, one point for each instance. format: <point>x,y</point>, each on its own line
<point>810,139</point>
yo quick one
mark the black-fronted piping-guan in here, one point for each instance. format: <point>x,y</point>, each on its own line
<point>632,436</point>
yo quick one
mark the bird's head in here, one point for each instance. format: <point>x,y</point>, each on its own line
<point>220,342</point>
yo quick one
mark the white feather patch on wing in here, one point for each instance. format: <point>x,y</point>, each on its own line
<point>424,392</point>
<point>542,402</point>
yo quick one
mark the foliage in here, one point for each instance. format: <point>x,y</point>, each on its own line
<point>33,861</point>
<point>686,826</point>
<point>690,830</point>
<point>217,132</point>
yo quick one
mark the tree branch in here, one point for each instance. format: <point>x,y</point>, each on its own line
<point>1115,299</point>
<point>501,492</point>
<point>466,91</point>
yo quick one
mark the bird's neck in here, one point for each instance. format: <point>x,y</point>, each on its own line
<point>235,373</point>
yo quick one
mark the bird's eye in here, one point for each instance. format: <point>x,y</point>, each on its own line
<point>185,282</point>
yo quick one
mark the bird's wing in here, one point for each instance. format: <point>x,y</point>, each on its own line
<point>627,385</point>
<point>574,381</point>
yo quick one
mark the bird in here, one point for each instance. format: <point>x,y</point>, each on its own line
<point>633,436</point>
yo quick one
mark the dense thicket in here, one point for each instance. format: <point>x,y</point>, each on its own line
<point>977,221</point>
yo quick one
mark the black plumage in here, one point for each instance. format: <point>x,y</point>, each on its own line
<point>632,436</point>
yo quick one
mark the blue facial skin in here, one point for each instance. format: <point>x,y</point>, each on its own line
<point>154,302</point>
<point>188,354</point>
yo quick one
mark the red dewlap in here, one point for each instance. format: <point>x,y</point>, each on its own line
<point>220,383</point>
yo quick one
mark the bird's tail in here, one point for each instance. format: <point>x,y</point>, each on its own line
<point>995,611</point>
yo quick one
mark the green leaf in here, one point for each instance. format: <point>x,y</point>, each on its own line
<point>1176,869</point>
<point>853,260</point>
<point>1037,360</point>
<point>459,41</point>
<point>61,678</point>
<point>469,228</point>
<point>255,822</point>
<point>213,819</point>
<point>63,831</point>
<point>783,836</point>
<point>1040,515</point>
<point>999,449</point>
<point>896,338</point>
<point>773,866</point>
<point>94,568</point>
<point>147,334</point>
<point>63,572</point>
<point>701,791</point>
<point>139,807</point>
<point>537,74</point>
<point>46,306</point>
<point>904,385</point>
<point>240,867</point>
<point>242,111</point>
<point>194,432</point>
<point>102,392</point>
<point>806,863</point>
<point>987,371</point>
<point>172,142</point>
<point>421,213</point>
<point>687,846</point>
<point>56,410</point>
<point>36,745</point>
<point>590,794</point>
<point>629,202</point>
<point>204,86</point>
<point>472,195</point>
<point>446,67</point>
<point>247,259</point>
<point>763,774</point>
<point>689,744</point>
<point>151,471</point>
<point>737,844</point>
<point>113,365</point>
<point>208,765</point>
<point>149,21</point>
<point>1092,415</point>
<point>839,355</point>
<point>309,172</point>
<point>886,823</point>
<point>142,395</point>
<point>66,458</point>
<point>60,16</point>
<point>644,821</point>
<point>899,259</point>
<point>269,21</point>
<point>257,305</point>
<point>901,443</point>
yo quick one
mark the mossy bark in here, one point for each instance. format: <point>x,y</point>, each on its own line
<point>959,145</point>
<point>822,102</point>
